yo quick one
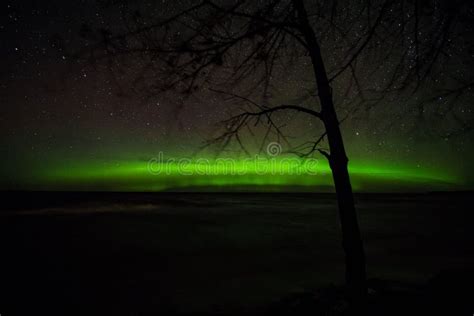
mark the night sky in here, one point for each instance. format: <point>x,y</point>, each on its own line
<point>71,124</point>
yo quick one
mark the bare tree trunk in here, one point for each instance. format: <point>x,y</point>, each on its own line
<point>351,238</point>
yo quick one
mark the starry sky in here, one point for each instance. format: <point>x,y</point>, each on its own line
<point>71,124</point>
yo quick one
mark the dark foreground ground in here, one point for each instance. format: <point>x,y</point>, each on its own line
<point>230,254</point>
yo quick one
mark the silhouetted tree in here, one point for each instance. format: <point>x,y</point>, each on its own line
<point>362,54</point>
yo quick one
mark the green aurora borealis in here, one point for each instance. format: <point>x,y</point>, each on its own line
<point>267,175</point>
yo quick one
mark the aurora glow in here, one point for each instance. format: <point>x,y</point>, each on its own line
<point>267,175</point>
